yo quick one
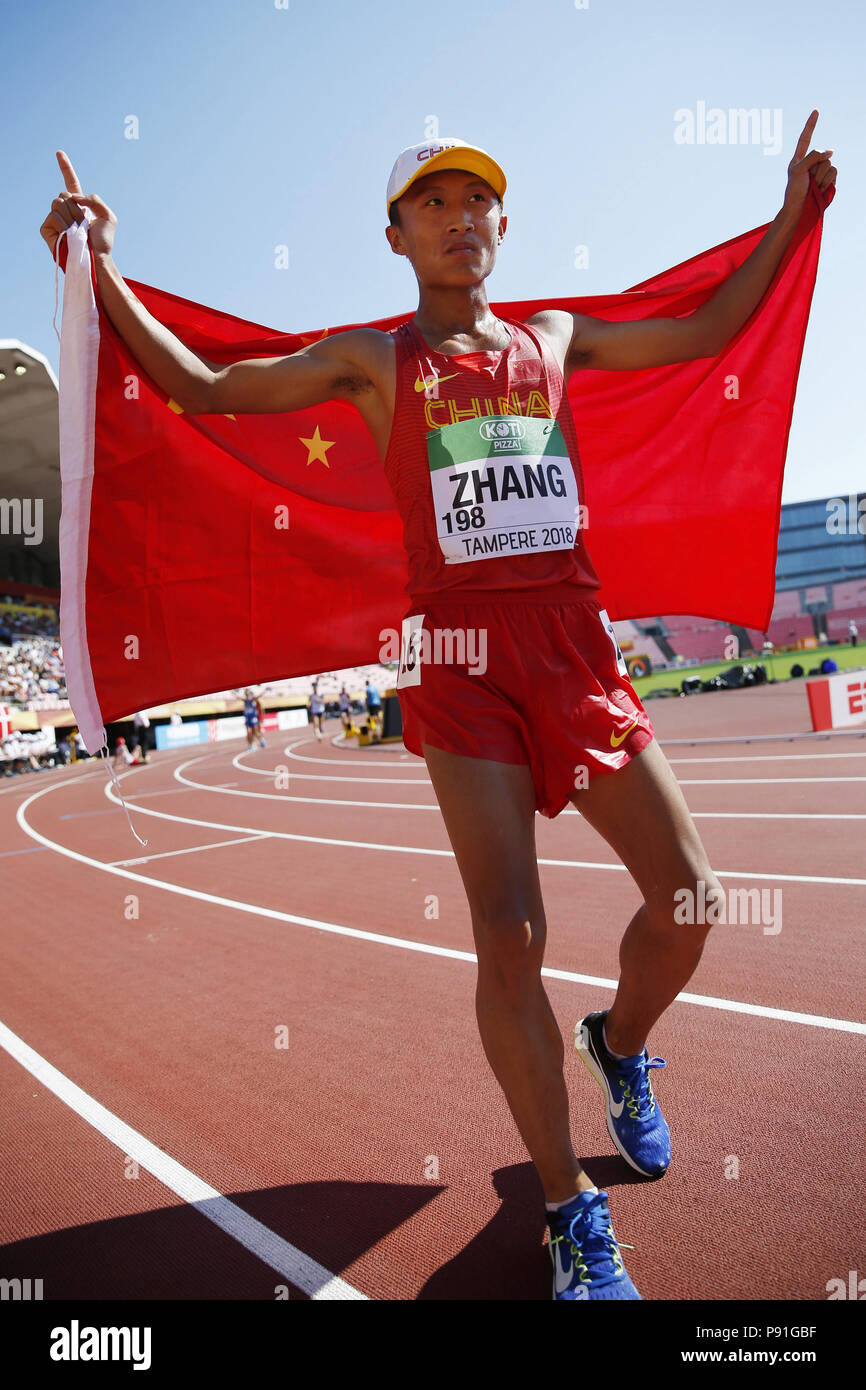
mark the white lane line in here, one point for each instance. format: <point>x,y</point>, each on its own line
<point>423,947</point>
<point>708,1001</point>
<point>568,811</point>
<point>777,815</point>
<point>289,1262</point>
<point>308,800</point>
<point>759,781</point>
<point>195,849</point>
<point>770,758</point>
<point>337,777</point>
<point>168,791</point>
<point>433,806</point>
<point>447,853</point>
<point>358,761</point>
<point>827,736</point>
<point>425,781</point>
<point>26,780</point>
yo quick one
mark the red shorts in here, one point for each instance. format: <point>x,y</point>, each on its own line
<point>541,683</point>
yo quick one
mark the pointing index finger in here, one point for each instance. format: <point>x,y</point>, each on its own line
<point>805,136</point>
<point>69,175</point>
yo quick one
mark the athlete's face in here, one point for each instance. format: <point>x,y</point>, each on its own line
<point>444,210</point>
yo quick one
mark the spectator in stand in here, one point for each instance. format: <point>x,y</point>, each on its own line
<point>25,751</point>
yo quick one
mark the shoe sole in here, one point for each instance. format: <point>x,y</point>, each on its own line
<point>583,1046</point>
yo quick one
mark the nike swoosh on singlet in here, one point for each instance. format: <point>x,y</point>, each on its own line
<point>423,384</point>
<point>616,739</point>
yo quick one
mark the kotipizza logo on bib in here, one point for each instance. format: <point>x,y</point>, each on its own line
<point>499,430</point>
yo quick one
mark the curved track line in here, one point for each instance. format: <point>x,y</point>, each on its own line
<point>336,762</point>
<point>414,849</point>
<point>734,758</point>
<point>337,777</point>
<point>310,800</point>
<point>423,947</point>
<point>260,1240</point>
<point>422,806</point>
<point>568,810</point>
<point>769,758</point>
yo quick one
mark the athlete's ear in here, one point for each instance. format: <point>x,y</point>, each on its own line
<point>393,235</point>
<point>503,223</point>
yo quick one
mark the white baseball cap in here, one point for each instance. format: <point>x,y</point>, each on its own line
<point>417,160</point>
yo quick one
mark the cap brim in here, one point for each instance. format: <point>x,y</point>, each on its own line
<point>459,158</point>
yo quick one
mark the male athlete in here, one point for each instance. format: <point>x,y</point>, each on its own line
<point>316,706</point>
<point>470,417</point>
<point>253,719</point>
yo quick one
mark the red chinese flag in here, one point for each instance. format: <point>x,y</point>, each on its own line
<point>202,553</point>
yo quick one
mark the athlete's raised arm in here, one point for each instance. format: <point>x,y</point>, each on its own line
<point>640,342</point>
<point>703,333</point>
<point>335,368</point>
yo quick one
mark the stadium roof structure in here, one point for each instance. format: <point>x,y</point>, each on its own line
<point>29,464</point>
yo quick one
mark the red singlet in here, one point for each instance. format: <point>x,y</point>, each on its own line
<point>506,654</point>
<point>489,490</point>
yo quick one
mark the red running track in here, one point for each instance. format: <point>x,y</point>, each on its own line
<point>158,1143</point>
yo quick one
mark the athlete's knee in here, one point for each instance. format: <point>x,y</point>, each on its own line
<point>510,946</point>
<point>690,896</point>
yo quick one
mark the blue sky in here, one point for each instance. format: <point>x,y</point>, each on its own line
<point>264,124</point>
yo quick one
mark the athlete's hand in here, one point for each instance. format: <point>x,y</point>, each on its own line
<point>67,208</point>
<point>816,161</point>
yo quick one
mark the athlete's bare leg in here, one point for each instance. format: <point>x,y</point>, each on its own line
<point>642,813</point>
<point>489,812</point>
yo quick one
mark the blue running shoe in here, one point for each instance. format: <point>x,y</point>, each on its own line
<point>634,1121</point>
<point>584,1251</point>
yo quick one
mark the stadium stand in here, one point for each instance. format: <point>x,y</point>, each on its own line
<point>641,644</point>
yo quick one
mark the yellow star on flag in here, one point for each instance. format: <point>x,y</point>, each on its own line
<point>317,446</point>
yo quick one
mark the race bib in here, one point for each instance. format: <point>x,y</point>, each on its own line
<point>502,485</point>
<point>608,627</point>
<point>410,652</point>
